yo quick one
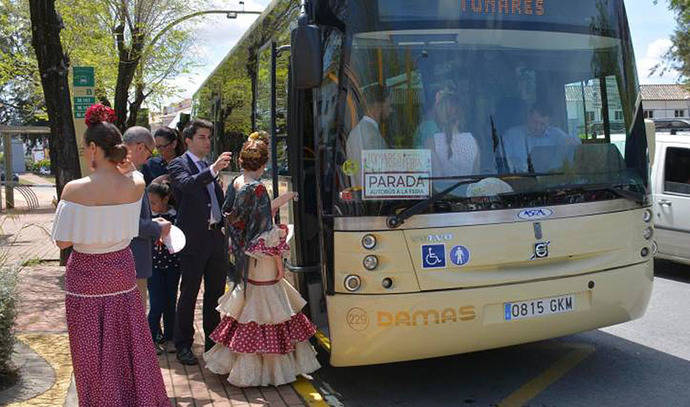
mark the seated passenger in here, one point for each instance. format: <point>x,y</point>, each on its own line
<point>366,135</point>
<point>520,141</point>
<point>453,153</point>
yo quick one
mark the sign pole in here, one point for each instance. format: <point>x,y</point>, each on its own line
<point>9,191</point>
<point>83,88</point>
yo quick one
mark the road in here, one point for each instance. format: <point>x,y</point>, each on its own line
<point>640,363</point>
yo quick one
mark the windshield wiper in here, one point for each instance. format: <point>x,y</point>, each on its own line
<point>395,221</point>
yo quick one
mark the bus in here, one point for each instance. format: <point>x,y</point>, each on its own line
<point>459,187</point>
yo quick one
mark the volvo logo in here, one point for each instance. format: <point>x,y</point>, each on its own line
<point>541,250</point>
<point>433,238</point>
<point>535,214</point>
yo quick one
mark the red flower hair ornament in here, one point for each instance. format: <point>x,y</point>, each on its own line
<point>99,113</point>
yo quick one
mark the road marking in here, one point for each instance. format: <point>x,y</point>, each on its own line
<point>535,386</point>
<point>323,340</point>
<point>308,392</point>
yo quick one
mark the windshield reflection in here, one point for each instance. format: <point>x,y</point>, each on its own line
<point>491,102</point>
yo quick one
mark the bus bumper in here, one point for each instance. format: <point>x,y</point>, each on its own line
<point>372,329</point>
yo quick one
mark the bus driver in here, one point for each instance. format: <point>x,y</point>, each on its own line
<point>520,141</point>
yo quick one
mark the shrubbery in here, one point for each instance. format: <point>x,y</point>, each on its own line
<point>41,164</point>
<point>8,314</point>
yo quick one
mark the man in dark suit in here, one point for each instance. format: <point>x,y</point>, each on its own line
<point>199,198</point>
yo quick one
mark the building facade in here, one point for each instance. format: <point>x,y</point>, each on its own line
<point>665,101</point>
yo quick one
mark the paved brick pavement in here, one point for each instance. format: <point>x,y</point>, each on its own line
<point>41,327</point>
<point>26,236</point>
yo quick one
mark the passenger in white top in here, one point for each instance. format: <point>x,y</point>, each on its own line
<point>453,153</point>
<point>366,135</point>
<point>520,141</point>
<point>109,337</point>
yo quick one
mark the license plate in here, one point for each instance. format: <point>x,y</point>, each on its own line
<point>539,307</point>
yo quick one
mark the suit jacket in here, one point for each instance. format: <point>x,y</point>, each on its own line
<point>193,200</point>
<point>154,168</point>
<point>149,232</point>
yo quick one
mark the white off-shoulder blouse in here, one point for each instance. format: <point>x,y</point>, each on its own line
<point>96,229</point>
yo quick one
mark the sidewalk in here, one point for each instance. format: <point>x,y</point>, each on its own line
<point>42,352</point>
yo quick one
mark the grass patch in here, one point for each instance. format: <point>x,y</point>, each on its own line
<point>32,262</point>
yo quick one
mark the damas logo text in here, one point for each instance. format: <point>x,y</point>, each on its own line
<point>425,317</point>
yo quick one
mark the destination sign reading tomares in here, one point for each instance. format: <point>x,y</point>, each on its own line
<point>415,10</point>
<point>527,7</point>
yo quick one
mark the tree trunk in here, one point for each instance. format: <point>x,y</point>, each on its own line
<point>129,58</point>
<point>53,67</point>
<point>134,107</point>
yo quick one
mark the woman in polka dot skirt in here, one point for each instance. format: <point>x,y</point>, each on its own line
<point>263,338</point>
<point>113,357</point>
<point>165,278</point>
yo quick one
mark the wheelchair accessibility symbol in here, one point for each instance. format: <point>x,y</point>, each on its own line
<point>433,256</point>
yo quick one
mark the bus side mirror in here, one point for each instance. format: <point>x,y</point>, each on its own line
<point>650,130</point>
<point>305,49</point>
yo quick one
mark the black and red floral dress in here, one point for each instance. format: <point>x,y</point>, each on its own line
<point>263,337</point>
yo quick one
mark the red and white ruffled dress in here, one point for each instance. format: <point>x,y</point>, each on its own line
<point>263,337</point>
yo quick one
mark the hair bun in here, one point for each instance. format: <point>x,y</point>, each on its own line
<point>117,153</point>
<point>98,113</point>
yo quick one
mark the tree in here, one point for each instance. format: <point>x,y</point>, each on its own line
<point>141,31</point>
<point>678,57</point>
<point>21,100</point>
<point>53,66</point>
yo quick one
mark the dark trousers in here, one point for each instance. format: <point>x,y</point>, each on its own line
<point>209,262</point>
<point>162,286</point>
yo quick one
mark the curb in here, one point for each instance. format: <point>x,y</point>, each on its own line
<point>35,376</point>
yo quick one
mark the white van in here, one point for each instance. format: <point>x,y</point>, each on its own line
<point>671,190</point>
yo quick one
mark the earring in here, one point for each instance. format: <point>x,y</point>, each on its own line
<point>93,161</point>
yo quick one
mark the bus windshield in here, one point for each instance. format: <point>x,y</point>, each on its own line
<point>535,108</point>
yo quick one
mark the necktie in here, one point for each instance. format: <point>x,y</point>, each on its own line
<point>215,207</point>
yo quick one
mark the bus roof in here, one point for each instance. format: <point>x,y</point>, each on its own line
<point>241,41</point>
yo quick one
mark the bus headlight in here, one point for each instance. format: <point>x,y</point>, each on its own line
<point>648,233</point>
<point>369,242</point>
<point>647,217</point>
<point>371,262</point>
<point>353,283</point>
<point>387,283</point>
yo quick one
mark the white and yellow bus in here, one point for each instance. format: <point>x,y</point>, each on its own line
<point>484,205</point>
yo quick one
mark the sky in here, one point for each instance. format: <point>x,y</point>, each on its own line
<point>651,26</point>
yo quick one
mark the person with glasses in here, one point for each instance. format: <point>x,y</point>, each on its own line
<point>140,144</point>
<point>169,147</point>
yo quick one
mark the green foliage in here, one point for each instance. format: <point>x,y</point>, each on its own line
<point>88,39</point>
<point>8,314</point>
<point>678,57</point>
<point>45,163</point>
<point>21,97</point>
<point>226,96</point>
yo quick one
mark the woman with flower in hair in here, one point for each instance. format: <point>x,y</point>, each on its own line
<point>113,355</point>
<point>263,338</point>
